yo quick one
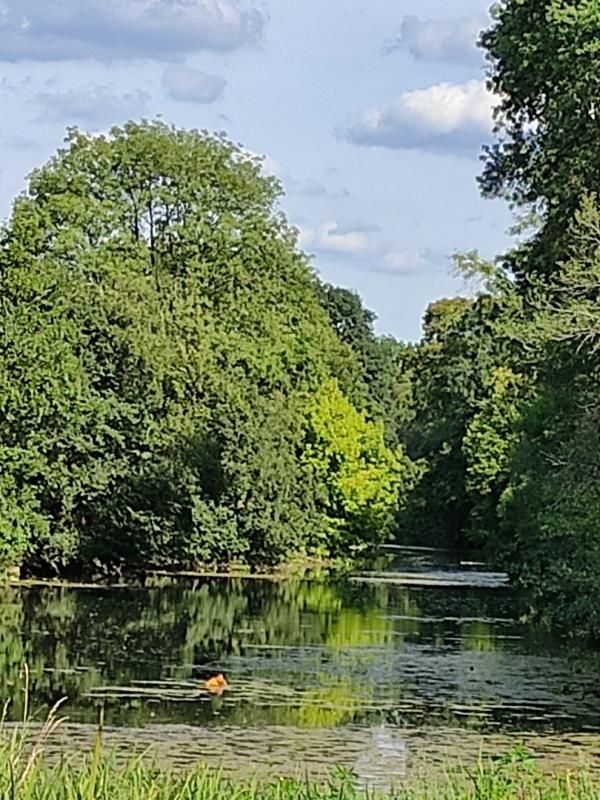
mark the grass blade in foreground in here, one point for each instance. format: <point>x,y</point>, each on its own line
<point>99,777</point>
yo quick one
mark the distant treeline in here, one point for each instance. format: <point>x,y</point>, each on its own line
<point>178,386</point>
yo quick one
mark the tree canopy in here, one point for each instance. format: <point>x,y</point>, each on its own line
<point>164,345</point>
<point>505,384</point>
<point>543,68</point>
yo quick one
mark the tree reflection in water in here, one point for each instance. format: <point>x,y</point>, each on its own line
<point>307,654</point>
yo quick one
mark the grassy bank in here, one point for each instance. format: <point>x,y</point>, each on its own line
<point>26,775</point>
<point>103,780</point>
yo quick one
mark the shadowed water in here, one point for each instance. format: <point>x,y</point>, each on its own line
<point>370,673</point>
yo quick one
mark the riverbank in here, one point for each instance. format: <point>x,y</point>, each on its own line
<point>25,776</point>
<point>296,568</point>
<point>366,566</point>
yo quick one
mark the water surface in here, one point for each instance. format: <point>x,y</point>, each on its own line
<point>368,672</point>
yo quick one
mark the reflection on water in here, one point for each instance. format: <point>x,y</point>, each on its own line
<point>386,753</point>
<point>379,668</point>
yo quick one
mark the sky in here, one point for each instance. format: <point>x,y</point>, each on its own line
<point>372,114</point>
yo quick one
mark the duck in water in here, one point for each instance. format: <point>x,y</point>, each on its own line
<point>216,684</point>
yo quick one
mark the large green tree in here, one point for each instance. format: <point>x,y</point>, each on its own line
<point>551,506</point>
<point>161,340</point>
<point>453,367</point>
<point>545,71</point>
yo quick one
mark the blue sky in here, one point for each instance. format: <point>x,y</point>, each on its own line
<point>372,114</point>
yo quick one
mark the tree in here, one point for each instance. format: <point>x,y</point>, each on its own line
<point>489,444</point>
<point>464,342</point>
<point>161,338</point>
<point>381,385</point>
<point>362,479</point>
<point>545,71</point>
<point>551,506</point>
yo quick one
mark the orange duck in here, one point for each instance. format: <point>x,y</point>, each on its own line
<point>217,684</point>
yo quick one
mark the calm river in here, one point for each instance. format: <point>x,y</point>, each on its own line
<point>406,667</point>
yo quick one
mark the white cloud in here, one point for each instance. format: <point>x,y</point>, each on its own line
<point>331,237</point>
<point>400,261</point>
<point>51,30</point>
<point>190,85</point>
<point>364,252</point>
<point>15,87</point>
<point>406,262</point>
<point>451,40</point>
<point>444,118</point>
<point>91,105</point>
<point>271,167</point>
<point>356,244</point>
<point>312,187</point>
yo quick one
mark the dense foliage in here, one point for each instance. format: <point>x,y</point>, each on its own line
<point>171,384</point>
<point>543,58</point>
<point>507,419</point>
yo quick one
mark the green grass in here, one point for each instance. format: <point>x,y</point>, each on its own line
<point>24,775</point>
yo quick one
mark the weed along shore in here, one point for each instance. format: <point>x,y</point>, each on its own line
<point>26,774</point>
